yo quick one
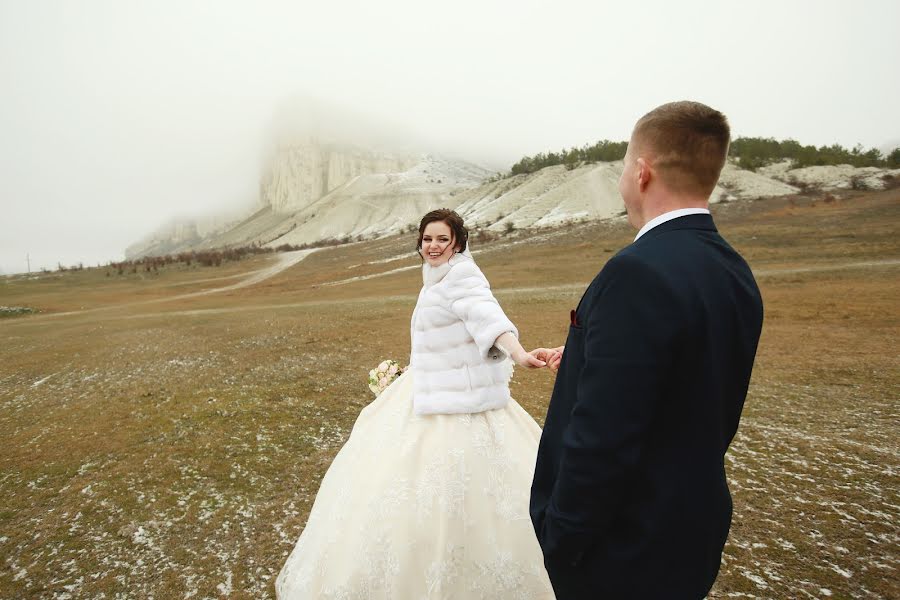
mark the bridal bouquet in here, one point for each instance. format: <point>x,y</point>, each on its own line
<point>383,375</point>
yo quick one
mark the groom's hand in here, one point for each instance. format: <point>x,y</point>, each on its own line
<point>556,359</point>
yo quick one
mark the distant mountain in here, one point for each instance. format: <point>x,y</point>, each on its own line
<point>183,233</point>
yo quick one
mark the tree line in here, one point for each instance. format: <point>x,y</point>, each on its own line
<point>749,153</point>
<point>753,153</point>
<point>602,151</point>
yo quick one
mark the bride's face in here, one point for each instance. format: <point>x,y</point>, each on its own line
<point>437,243</point>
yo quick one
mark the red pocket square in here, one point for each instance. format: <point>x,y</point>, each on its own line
<point>574,318</point>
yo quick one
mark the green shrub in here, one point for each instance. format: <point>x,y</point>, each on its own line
<point>893,159</point>
<point>754,152</point>
<point>602,151</point>
<point>15,311</point>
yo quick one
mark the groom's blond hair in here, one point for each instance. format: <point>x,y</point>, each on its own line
<point>686,143</point>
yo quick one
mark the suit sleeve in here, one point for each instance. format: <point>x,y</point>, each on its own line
<point>629,327</point>
<point>469,297</point>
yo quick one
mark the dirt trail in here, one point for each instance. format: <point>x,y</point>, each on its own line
<point>283,261</point>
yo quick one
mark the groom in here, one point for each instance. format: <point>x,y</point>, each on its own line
<point>629,498</point>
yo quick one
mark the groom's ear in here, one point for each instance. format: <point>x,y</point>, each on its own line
<point>644,173</point>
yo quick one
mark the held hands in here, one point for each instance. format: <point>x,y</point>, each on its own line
<point>552,357</point>
<point>528,360</point>
<point>536,359</point>
<point>509,344</point>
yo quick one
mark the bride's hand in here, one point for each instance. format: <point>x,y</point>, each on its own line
<point>510,346</point>
<point>528,360</point>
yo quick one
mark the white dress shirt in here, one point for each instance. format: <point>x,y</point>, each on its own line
<point>672,214</point>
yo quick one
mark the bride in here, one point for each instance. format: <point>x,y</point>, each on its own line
<point>428,498</point>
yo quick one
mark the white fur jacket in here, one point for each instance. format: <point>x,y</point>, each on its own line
<point>456,368</point>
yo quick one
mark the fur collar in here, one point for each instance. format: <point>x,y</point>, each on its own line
<point>432,275</point>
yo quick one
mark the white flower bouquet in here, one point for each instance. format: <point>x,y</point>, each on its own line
<point>383,375</point>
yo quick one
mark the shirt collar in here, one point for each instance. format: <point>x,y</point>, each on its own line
<point>672,214</point>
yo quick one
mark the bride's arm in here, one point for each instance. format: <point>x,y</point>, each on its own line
<point>468,295</point>
<point>511,346</point>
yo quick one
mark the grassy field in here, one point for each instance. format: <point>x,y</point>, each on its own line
<point>160,443</point>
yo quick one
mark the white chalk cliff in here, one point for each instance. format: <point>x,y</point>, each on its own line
<point>305,172</point>
<point>316,193</point>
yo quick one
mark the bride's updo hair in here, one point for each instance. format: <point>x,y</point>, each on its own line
<point>452,219</point>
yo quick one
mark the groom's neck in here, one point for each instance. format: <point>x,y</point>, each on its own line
<point>654,205</point>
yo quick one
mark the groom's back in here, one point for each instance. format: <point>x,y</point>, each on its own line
<point>721,311</point>
<point>679,496</point>
<point>669,517</point>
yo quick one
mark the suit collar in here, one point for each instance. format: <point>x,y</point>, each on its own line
<point>702,222</point>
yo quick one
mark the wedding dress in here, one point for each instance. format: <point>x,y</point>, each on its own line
<point>423,506</point>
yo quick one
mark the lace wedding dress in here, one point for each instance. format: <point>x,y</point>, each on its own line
<point>423,507</point>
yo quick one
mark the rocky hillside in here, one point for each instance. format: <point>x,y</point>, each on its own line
<point>556,195</point>
<point>314,193</point>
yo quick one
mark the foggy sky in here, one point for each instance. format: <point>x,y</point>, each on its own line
<point>117,116</point>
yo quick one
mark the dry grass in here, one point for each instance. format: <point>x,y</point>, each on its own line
<point>157,446</point>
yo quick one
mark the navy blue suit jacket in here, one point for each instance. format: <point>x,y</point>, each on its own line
<point>629,498</point>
